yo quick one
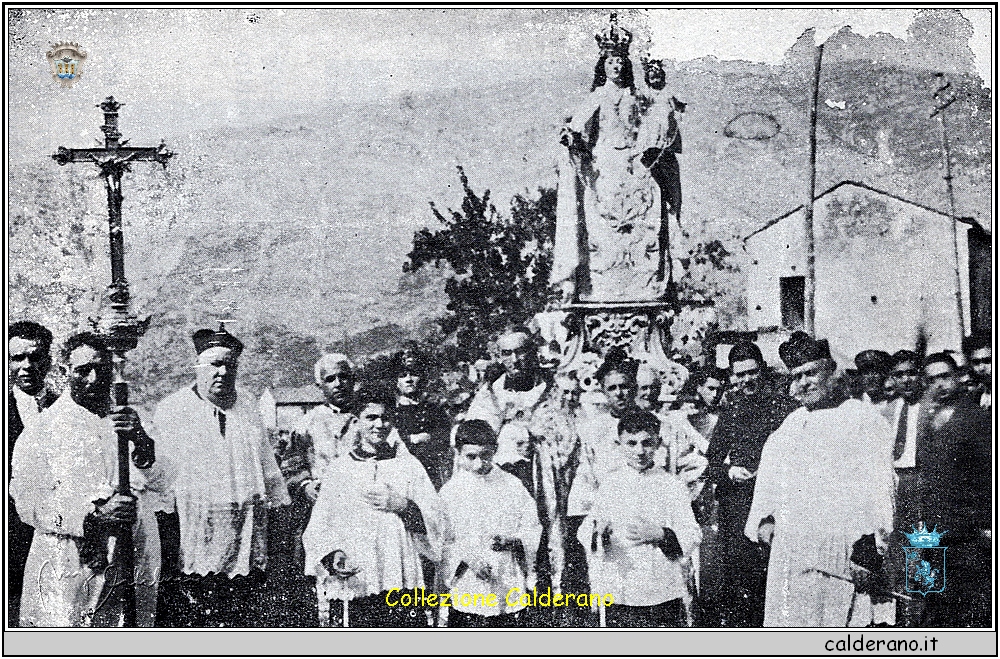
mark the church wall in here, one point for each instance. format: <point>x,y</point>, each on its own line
<point>884,273</point>
<point>775,253</point>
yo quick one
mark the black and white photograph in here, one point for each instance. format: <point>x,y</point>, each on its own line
<point>493,317</point>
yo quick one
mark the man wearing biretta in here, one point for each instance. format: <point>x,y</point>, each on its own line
<point>226,480</point>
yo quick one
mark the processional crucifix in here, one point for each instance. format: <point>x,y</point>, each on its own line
<point>117,325</point>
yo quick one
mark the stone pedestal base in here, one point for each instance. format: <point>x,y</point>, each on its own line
<point>586,331</point>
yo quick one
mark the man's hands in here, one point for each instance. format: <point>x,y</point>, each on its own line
<point>336,563</point>
<point>386,500</point>
<point>643,531</point>
<point>740,474</point>
<point>117,510</point>
<point>126,420</point>
<point>765,532</point>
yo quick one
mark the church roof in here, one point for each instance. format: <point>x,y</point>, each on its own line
<point>770,223</point>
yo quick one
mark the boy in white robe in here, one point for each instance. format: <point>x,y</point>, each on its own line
<point>493,535</point>
<point>377,513</point>
<point>639,532</point>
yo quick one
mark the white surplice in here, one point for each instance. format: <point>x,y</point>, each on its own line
<point>508,412</point>
<point>328,434</point>
<point>65,460</point>
<point>222,485</point>
<point>639,574</point>
<point>826,477</point>
<point>685,448</point>
<point>477,508</point>
<point>387,554</point>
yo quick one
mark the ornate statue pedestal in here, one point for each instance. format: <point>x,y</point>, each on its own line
<point>589,329</point>
<point>641,328</point>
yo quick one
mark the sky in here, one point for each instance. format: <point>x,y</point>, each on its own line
<point>763,35</point>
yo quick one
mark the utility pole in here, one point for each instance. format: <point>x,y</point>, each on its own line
<point>944,97</point>
<point>117,324</point>
<point>810,319</point>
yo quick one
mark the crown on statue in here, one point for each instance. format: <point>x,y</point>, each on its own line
<point>614,40</point>
<point>921,537</point>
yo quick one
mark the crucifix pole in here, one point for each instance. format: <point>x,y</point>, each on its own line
<point>117,325</point>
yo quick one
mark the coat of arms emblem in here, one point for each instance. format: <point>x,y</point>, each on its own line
<point>925,561</point>
<point>66,62</point>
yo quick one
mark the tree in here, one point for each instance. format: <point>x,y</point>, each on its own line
<point>497,267</point>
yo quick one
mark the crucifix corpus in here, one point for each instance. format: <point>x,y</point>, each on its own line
<point>117,325</point>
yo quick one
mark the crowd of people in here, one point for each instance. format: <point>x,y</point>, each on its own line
<point>750,497</point>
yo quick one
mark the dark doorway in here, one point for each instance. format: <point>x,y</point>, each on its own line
<point>793,302</point>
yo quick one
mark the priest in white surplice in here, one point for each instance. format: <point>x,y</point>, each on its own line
<point>823,499</point>
<point>509,402</point>
<point>376,515</point>
<point>226,479</point>
<point>63,478</point>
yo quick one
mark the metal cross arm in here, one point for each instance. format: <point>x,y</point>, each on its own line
<point>114,151</point>
<point>123,154</point>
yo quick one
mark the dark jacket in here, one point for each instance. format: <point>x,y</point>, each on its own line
<point>743,428</point>
<point>435,453</point>
<point>955,470</point>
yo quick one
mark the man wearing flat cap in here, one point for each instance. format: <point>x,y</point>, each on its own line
<point>823,499</point>
<point>873,368</point>
<point>226,480</point>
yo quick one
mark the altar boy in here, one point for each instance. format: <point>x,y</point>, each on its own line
<point>639,532</point>
<point>493,535</point>
<point>377,514</point>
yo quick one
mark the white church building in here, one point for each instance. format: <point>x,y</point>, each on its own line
<point>885,274</point>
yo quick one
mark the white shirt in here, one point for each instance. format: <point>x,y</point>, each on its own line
<point>64,462</point>
<point>508,412</point>
<point>329,433</point>
<point>27,406</point>
<point>222,484</point>
<point>909,457</point>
